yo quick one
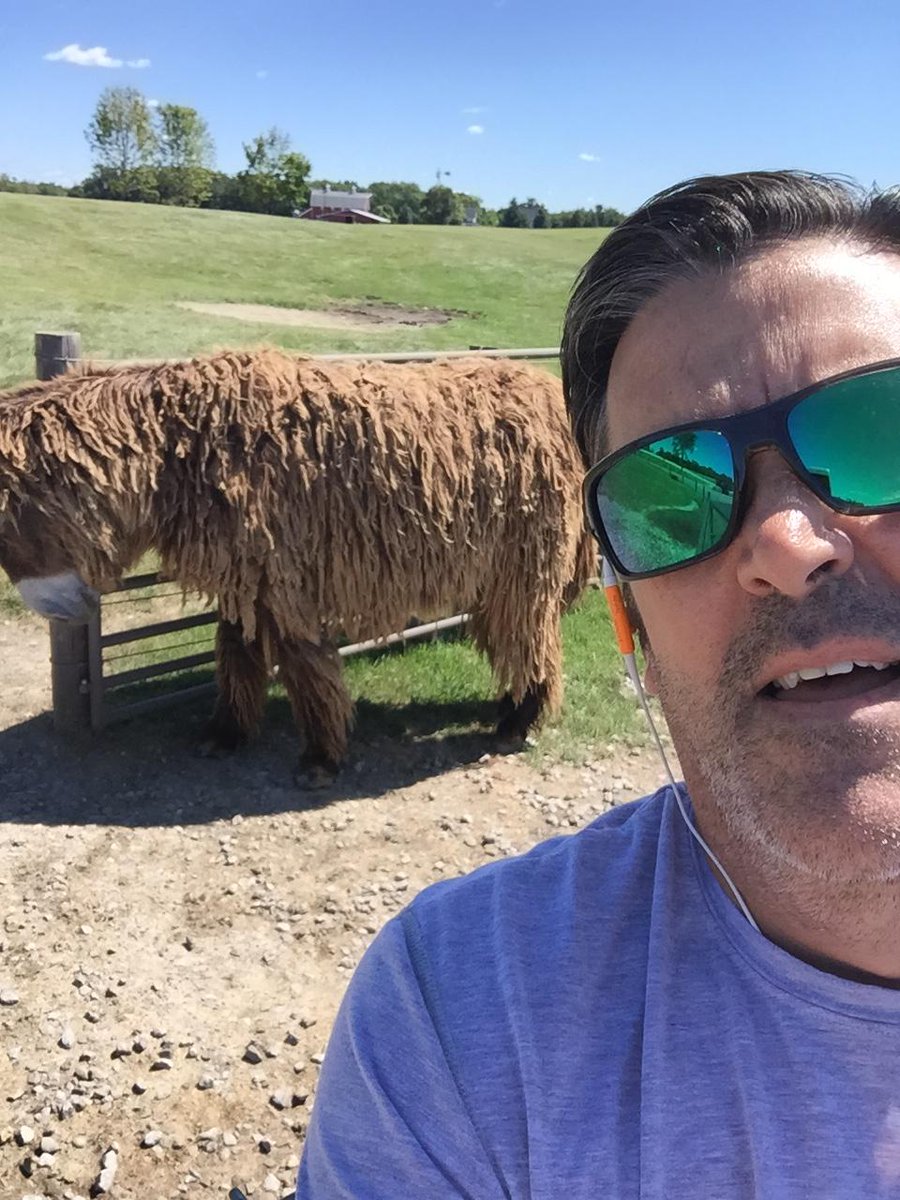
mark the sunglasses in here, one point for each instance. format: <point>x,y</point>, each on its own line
<point>678,496</point>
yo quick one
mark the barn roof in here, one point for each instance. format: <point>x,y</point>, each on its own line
<point>355,201</point>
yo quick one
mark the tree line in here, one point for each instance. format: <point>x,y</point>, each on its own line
<point>162,153</point>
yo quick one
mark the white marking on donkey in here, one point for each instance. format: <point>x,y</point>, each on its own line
<point>62,597</point>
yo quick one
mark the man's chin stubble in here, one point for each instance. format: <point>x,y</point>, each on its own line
<point>824,804</point>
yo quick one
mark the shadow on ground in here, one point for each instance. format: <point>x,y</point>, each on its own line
<point>148,772</point>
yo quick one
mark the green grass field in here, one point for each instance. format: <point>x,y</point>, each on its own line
<point>114,272</point>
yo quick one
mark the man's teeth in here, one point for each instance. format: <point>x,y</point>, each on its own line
<point>842,668</point>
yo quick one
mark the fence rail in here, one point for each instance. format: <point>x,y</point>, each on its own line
<point>82,691</point>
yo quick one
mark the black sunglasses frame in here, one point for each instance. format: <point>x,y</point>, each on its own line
<point>745,433</point>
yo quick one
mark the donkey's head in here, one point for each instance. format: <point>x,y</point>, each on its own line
<point>34,556</point>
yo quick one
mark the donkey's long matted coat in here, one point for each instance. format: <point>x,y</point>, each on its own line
<point>311,499</point>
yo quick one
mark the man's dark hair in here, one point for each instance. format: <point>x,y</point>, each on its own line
<point>703,225</point>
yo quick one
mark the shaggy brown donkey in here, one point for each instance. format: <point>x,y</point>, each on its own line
<point>312,500</point>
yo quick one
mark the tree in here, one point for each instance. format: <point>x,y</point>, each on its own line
<point>536,215</point>
<point>684,444</point>
<point>185,155</point>
<point>224,192</point>
<point>466,203</point>
<point>26,187</point>
<point>292,190</point>
<point>609,216</point>
<point>275,178</point>
<point>400,202</point>
<point>106,183</point>
<point>438,206</point>
<point>513,216</point>
<point>123,140</point>
<point>336,185</point>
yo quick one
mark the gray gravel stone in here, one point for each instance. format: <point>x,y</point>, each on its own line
<point>8,997</point>
<point>151,1138</point>
<point>25,1135</point>
<point>109,1164</point>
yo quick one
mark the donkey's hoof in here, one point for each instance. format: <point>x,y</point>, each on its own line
<point>509,743</point>
<point>218,742</point>
<point>313,777</point>
<point>210,748</point>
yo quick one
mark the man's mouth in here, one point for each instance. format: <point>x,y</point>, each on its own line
<point>833,681</point>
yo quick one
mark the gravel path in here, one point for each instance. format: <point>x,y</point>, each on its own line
<point>176,933</point>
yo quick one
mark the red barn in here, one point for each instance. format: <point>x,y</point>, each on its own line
<point>349,208</point>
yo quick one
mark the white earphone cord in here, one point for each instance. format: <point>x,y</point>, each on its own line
<point>635,676</point>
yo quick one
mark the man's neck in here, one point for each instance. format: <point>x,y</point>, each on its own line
<point>849,931</point>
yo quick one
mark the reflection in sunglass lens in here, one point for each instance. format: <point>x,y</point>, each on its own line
<point>848,437</point>
<point>669,501</point>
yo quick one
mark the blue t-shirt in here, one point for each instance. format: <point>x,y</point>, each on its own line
<point>595,1020</point>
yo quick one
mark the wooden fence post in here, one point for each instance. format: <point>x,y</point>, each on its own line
<point>54,353</point>
<point>69,676</point>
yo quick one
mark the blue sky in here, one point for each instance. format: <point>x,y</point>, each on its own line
<point>572,102</point>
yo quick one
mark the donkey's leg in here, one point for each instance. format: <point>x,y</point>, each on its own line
<point>525,651</point>
<point>514,721</point>
<point>242,676</point>
<point>321,706</point>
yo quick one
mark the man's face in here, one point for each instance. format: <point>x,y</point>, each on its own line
<point>805,779</point>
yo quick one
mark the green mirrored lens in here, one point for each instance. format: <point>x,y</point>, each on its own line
<point>669,501</point>
<point>848,437</point>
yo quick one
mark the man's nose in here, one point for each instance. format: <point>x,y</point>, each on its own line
<point>789,541</point>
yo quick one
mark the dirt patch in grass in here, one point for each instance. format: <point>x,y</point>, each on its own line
<point>374,315</point>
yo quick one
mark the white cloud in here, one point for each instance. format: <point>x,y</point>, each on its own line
<point>93,56</point>
<point>153,104</point>
<point>262,74</point>
<point>589,157</point>
<point>474,110</point>
<point>475,129</point>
